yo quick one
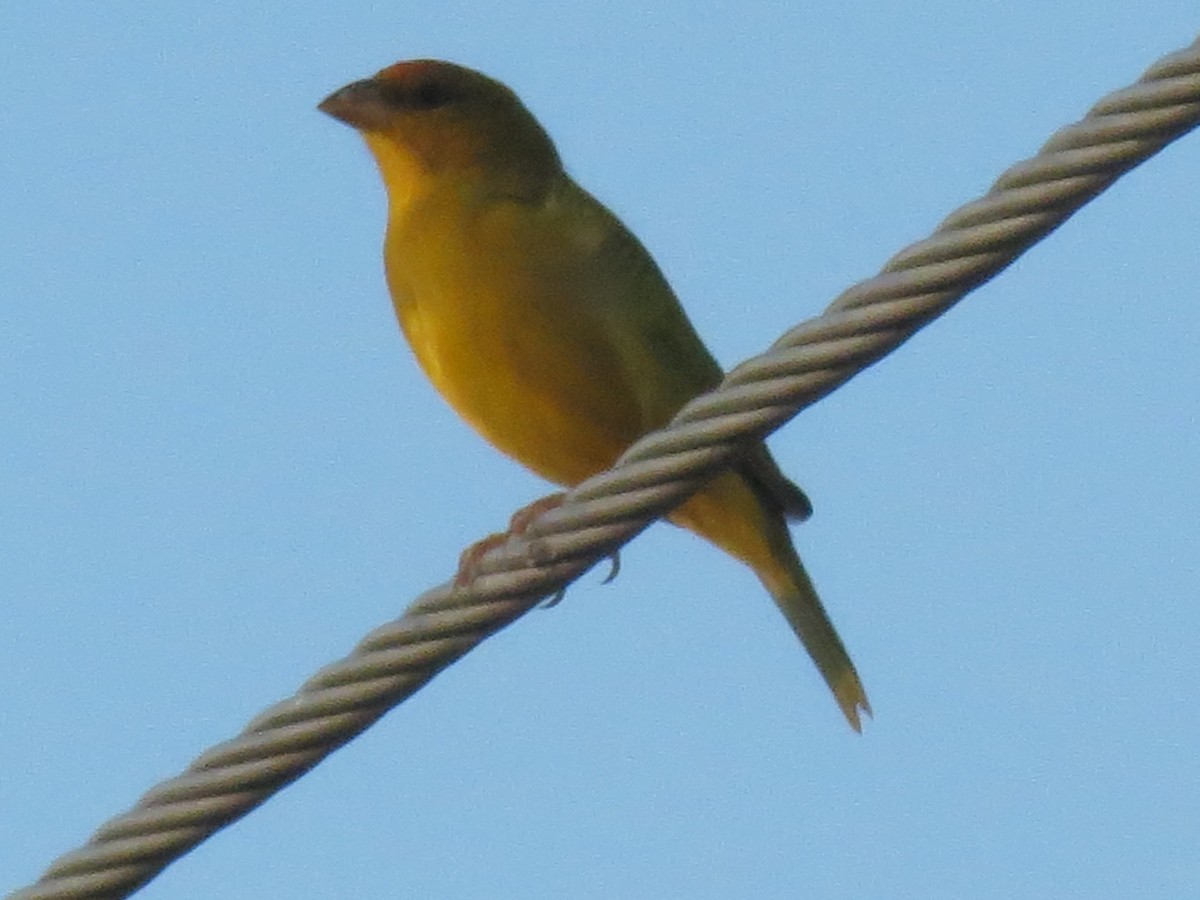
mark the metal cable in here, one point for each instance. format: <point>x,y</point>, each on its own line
<point>866,322</point>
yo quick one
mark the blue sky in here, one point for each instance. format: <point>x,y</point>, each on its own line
<point>220,466</point>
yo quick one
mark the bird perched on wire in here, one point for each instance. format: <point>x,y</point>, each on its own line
<point>548,326</point>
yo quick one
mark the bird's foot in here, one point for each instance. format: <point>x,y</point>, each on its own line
<point>468,562</point>
<point>523,517</point>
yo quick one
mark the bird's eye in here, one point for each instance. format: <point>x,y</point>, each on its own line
<point>429,95</point>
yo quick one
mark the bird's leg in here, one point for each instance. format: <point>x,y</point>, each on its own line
<point>523,517</point>
<point>520,522</point>
<point>468,562</point>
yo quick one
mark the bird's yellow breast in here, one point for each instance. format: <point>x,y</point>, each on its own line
<point>502,303</point>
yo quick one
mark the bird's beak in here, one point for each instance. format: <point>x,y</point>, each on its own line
<point>360,105</point>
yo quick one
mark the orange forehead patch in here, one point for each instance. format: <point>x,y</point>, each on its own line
<point>409,70</point>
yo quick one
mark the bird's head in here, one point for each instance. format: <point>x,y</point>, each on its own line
<point>426,118</point>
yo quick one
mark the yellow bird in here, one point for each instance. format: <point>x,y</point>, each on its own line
<point>548,326</point>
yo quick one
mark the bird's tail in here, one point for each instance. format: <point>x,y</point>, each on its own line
<point>797,599</point>
<point>751,525</point>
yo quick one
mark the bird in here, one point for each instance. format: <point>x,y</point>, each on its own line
<point>547,325</point>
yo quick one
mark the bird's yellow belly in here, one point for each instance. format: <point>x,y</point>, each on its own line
<point>557,405</point>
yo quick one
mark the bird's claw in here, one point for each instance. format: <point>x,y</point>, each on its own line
<point>614,567</point>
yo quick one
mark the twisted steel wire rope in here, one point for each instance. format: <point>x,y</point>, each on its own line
<point>862,325</point>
